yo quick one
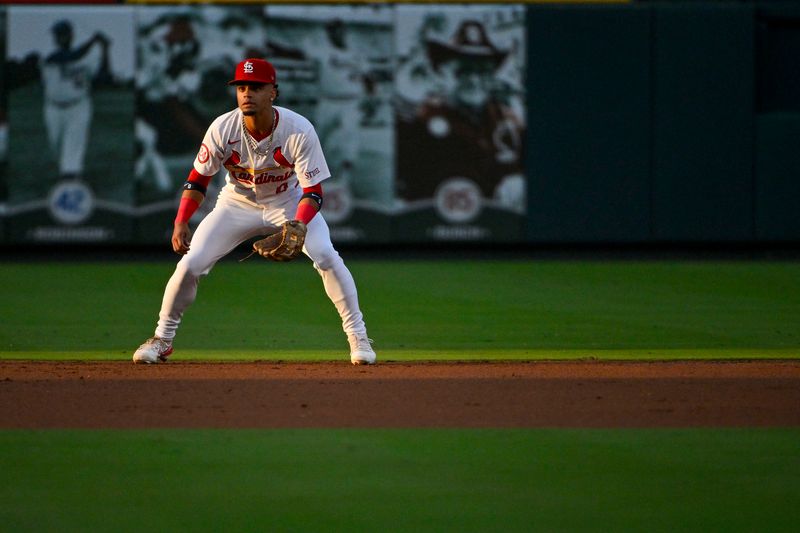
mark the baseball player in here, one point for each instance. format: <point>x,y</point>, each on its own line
<point>273,186</point>
<point>67,76</point>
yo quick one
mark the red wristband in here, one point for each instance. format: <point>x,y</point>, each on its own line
<point>305,212</point>
<point>186,209</point>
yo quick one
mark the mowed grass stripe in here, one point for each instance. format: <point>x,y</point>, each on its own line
<point>400,480</point>
<point>388,356</point>
<point>414,309</point>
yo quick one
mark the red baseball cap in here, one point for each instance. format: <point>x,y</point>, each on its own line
<point>254,71</point>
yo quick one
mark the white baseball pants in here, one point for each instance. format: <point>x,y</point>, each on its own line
<point>229,224</point>
<point>68,133</point>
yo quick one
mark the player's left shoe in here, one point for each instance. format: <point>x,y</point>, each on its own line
<point>153,350</point>
<point>361,352</point>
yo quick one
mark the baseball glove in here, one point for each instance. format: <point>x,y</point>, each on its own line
<point>283,245</point>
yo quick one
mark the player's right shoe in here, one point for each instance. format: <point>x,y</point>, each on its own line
<point>361,352</point>
<point>152,351</point>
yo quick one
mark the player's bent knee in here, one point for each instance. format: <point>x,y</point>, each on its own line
<point>189,268</point>
<point>326,260</point>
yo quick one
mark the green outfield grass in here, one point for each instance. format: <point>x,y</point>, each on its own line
<point>400,480</point>
<point>415,310</point>
<point>406,480</point>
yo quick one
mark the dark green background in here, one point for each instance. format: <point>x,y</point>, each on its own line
<point>664,122</point>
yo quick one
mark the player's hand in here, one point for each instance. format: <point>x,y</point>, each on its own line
<point>101,38</point>
<point>181,237</point>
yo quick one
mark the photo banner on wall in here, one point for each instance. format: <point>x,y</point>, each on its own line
<point>420,110</point>
<point>185,54</point>
<point>333,66</point>
<point>350,51</point>
<point>460,123</point>
<point>69,72</point>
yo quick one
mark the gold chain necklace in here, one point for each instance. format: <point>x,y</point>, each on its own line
<point>253,143</point>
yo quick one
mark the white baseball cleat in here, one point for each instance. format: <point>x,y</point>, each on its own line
<point>152,351</point>
<point>361,352</point>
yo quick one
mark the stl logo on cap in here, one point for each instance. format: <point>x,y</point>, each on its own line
<point>254,70</point>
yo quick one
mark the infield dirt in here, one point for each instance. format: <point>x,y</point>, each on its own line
<point>396,395</point>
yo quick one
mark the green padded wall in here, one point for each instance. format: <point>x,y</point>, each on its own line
<point>778,170</point>
<point>703,122</point>
<point>589,118</point>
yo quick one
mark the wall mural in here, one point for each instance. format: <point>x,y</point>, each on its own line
<point>420,111</point>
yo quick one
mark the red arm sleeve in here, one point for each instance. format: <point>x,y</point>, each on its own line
<point>186,209</point>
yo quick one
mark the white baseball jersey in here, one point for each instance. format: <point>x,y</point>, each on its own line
<point>295,159</point>
<point>67,78</point>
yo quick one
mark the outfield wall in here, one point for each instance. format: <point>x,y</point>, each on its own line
<point>650,122</point>
<point>666,122</point>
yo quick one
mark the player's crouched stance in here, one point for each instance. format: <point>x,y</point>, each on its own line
<point>273,186</point>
